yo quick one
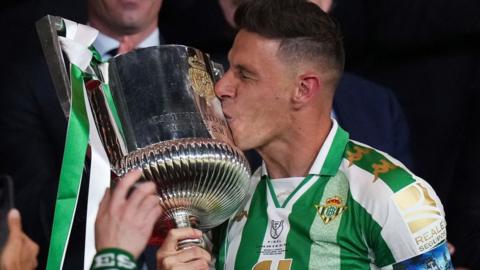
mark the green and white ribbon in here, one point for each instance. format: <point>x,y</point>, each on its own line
<point>81,130</point>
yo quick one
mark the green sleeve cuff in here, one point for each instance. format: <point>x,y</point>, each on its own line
<point>113,259</point>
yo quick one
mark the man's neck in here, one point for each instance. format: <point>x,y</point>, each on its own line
<point>296,153</point>
<point>133,38</point>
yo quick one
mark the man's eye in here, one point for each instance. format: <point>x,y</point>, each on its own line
<point>243,75</point>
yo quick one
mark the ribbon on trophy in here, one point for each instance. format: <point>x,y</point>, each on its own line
<point>81,132</point>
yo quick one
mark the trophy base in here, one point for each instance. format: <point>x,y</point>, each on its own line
<point>181,218</point>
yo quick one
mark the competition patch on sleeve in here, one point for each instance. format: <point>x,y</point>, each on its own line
<point>422,214</point>
<point>436,259</point>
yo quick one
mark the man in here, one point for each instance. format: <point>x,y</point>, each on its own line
<point>320,200</point>
<point>369,112</point>
<point>124,26</point>
<point>33,125</point>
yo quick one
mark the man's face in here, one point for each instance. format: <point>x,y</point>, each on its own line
<point>256,92</point>
<point>126,16</point>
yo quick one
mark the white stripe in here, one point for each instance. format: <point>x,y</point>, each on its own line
<point>99,180</point>
<point>376,199</point>
<point>235,228</point>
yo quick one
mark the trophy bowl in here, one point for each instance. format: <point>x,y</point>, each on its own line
<point>166,120</point>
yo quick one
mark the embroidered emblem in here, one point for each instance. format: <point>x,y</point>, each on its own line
<point>384,167</point>
<point>201,82</point>
<point>240,216</point>
<point>357,155</point>
<point>331,209</point>
<point>276,228</point>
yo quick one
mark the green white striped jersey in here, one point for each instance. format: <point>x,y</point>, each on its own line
<point>357,209</point>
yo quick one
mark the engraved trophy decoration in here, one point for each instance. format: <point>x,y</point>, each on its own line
<point>162,116</point>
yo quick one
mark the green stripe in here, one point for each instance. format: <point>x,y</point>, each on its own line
<point>71,172</point>
<point>254,229</point>
<point>325,251</point>
<point>218,232</point>
<point>302,215</point>
<point>335,154</point>
<point>396,178</point>
<point>357,233</point>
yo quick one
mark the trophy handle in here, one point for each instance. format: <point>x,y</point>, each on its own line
<point>48,29</point>
<point>218,71</point>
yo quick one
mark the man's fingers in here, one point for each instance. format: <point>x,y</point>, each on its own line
<point>153,215</point>
<point>124,184</point>
<point>194,253</point>
<point>14,221</point>
<point>175,235</point>
<point>141,193</point>
<point>191,258</point>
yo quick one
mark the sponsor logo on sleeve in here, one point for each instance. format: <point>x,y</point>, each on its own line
<point>422,215</point>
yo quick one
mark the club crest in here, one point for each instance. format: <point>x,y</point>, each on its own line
<point>276,228</point>
<point>331,209</point>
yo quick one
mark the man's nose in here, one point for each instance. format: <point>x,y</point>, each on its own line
<point>224,88</point>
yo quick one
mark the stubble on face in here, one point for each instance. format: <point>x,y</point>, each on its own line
<point>259,111</point>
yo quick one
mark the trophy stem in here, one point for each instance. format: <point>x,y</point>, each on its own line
<point>183,219</point>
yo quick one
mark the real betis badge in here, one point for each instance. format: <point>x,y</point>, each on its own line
<point>331,209</point>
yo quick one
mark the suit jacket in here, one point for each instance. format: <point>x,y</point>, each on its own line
<point>33,129</point>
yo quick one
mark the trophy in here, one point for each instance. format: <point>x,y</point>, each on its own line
<point>159,113</point>
<point>173,128</point>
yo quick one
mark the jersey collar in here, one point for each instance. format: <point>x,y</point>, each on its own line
<point>330,155</point>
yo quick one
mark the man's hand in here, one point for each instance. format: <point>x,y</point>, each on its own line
<point>169,258</point>
<point>127,223</point>
<point>20,252</point>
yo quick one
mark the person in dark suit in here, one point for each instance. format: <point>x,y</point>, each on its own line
<point>428,53</point>
<point>33,126</point>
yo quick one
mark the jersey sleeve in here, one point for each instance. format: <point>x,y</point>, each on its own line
<point>414,226</point>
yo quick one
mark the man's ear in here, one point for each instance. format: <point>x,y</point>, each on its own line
<point>307,87</point>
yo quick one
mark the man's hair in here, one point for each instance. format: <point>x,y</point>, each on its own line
<point>305,32</point>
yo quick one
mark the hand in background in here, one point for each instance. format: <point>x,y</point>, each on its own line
<point>169,258</point>
<point>20,252</point>
<point>127,223</point>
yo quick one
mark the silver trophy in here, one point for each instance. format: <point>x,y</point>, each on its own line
<point>174,129</point>
<point>166,120</point>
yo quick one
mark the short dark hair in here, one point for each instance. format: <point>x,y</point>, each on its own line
<point>303,29</point>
